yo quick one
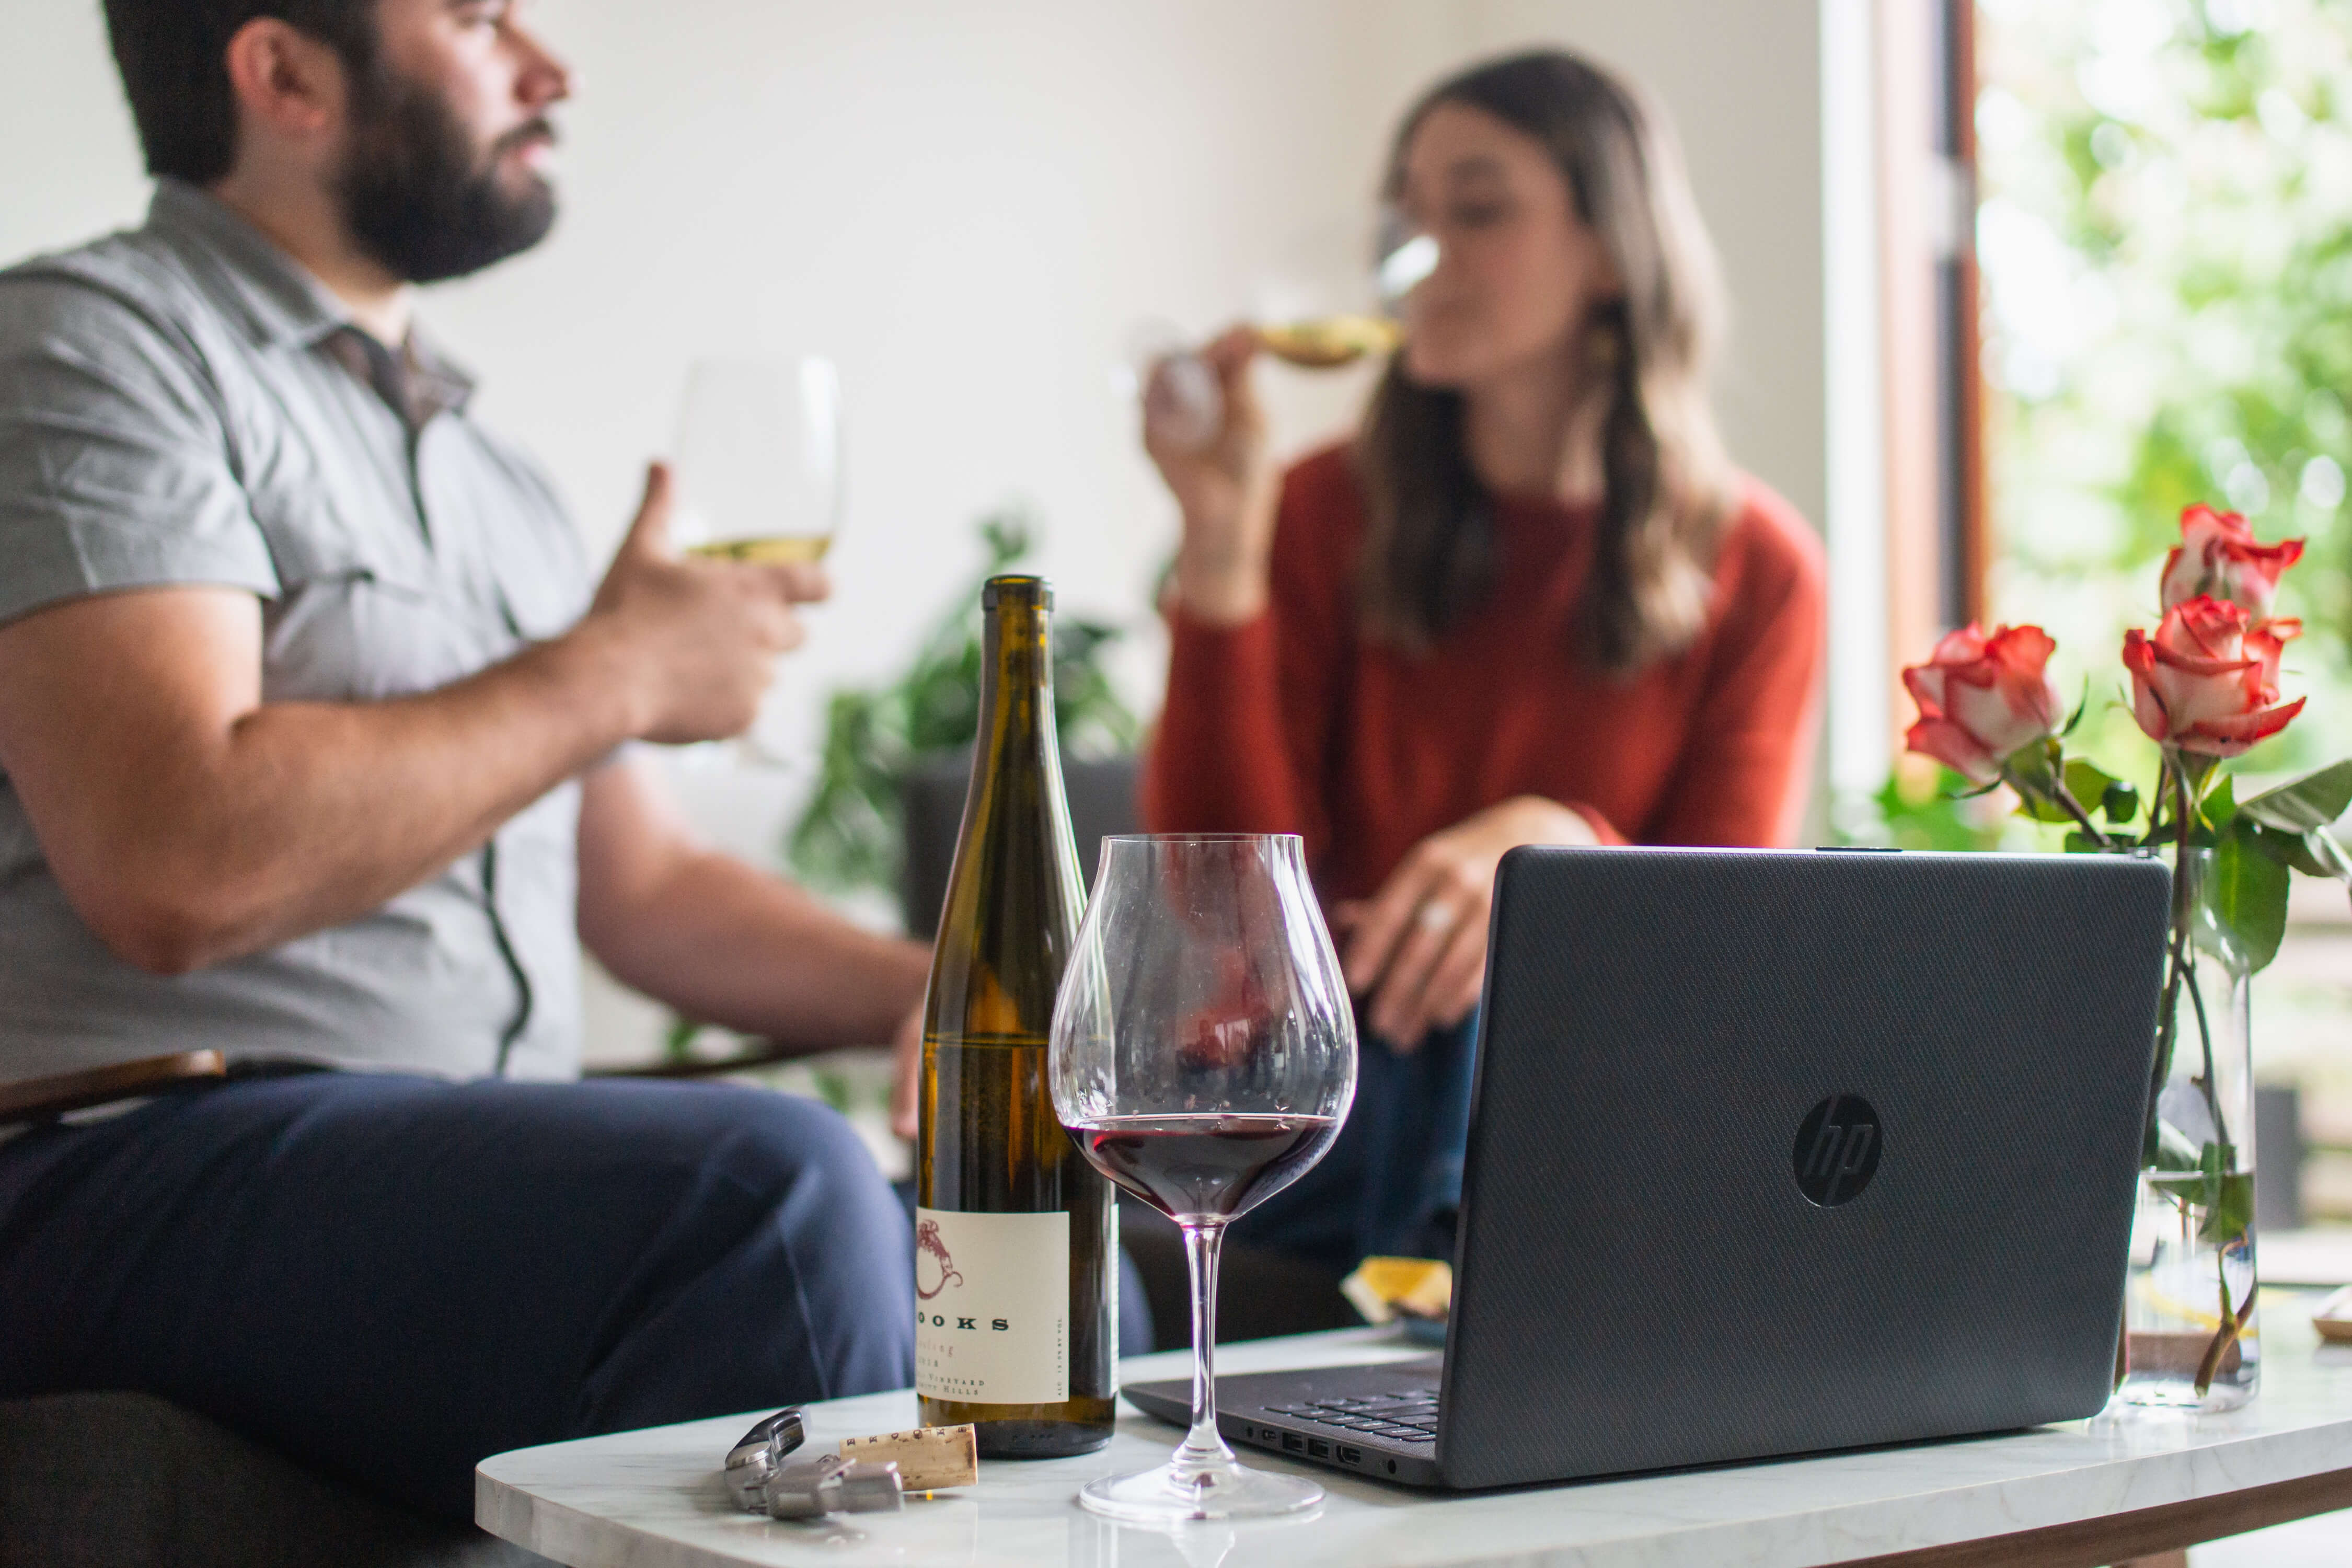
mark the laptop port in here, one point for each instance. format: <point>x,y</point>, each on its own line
<point>1318,1449</point>
<point>1292,1443</point>
<point>1351,1456</point>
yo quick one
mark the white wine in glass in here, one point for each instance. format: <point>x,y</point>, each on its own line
<point>1327,343</point>
<point>759,460</point>
<point>1181,403</point>
<point>779,550</point>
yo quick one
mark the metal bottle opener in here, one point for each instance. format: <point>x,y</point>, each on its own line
<point>761,1478</point>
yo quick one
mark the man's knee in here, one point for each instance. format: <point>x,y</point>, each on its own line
<point>800,1154</point>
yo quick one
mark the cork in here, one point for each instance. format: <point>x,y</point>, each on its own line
<point>929,1459</point>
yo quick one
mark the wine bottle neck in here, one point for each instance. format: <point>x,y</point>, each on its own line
<point>1016,691</point>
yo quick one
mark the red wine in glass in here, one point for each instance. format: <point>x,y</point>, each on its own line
<point>1208,1166</point>
<point>1203,1056</point>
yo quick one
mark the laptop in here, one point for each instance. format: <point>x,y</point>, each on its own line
<point>1771,1153</point>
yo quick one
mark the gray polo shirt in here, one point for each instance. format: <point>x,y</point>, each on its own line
<point>182,403</point>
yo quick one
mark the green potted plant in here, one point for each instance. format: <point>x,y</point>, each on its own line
<point>883,742</point>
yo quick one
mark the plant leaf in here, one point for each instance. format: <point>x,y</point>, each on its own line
<point>2034,804</point>
<point>2248,896</point>
<point>2087,781</point>
<point>2315,800</point>
<point>2220,807</point>
<point>2230,1210</point>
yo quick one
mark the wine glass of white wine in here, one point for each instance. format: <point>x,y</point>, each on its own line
<point>1181,403</point>
<point>760,459</point>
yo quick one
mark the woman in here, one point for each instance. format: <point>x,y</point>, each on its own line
<point>1530,602</point>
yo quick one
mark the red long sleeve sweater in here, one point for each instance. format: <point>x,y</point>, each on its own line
<point>1293,723</point>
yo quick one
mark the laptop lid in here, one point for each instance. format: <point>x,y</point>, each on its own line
<point>1779,1152</point>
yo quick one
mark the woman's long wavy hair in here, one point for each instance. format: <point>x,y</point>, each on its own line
<point>1667,488</point>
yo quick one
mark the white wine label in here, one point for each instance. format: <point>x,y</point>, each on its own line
<point>992,1307</point>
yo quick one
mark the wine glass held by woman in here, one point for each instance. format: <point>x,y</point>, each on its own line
<point>1530,601</point>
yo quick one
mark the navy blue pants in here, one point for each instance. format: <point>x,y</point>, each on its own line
<point>1391,1180</point>
<point>393,1278</point>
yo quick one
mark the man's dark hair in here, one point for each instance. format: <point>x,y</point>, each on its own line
<point>173,56</point>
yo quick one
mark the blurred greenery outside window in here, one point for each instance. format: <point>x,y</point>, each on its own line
<point>2165,237</point>
<point>2165,233</point>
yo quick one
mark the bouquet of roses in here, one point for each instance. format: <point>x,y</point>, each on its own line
<point>2204,687</point>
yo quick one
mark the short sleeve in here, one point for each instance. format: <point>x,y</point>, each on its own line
<point>115,466</point>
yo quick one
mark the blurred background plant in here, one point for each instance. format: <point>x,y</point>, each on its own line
<point>849,836</point>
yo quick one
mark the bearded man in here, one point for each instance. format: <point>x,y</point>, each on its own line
<point>314,729</point>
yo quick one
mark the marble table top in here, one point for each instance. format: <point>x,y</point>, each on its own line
<point>655,1498</point>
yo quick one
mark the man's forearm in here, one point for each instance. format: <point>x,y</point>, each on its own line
<point>727,945</point>
<point>324,811</point>
<point>195,823</point>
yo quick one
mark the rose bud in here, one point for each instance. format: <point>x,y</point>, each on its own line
<point>2208,680</point>
<point>2216,555</point>
<point>1981,698</point>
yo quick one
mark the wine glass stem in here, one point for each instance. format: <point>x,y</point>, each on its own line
<point>1204,1445</point>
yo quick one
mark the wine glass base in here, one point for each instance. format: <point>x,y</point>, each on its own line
<point>1174,1492</point>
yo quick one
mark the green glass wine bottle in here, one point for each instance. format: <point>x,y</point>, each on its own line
<point>1016,1238</point>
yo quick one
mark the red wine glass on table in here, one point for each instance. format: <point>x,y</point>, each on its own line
<point>1203,1056</point>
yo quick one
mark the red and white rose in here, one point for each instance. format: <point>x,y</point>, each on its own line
<point>2208,680</point>
<point>2217,556</point>
<point>1982,697</point>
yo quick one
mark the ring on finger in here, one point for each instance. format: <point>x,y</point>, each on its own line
<point>1433,916</point>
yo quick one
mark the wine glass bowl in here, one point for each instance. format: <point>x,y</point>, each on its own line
<point>760,459</point>
<point>1181,403</point>
<point>1203,1056</point>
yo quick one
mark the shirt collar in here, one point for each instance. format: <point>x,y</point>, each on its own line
<point>283,306</point>
<point>414,379</point>
<point>281,303</point>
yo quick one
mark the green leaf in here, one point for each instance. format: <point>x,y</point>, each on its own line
<point>2034,804</point>
<point>2174,1152</point>
<point>849,836</point>
<point>2230,1209</point>
<point>2303,852</point>
<point>2326,849</point>
<point>2211,1183</point>
<point>2087,782</point>
<point>2219,805</point>
<point>2034,771</point>
<point>2300,805</point>
<point>2120,801</point>
<point>2248,896</point>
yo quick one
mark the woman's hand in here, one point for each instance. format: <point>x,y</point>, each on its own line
<point>1418,947</point>
<point>1226,486</point>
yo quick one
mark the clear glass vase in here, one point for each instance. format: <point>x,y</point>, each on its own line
<point>2192,1341</point>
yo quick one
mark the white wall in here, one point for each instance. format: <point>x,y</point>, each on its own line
<point>972,207</point>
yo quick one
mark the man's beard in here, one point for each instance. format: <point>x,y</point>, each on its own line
<point>417,200</point>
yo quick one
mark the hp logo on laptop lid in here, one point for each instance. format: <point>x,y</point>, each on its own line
<point>1837,1150</point>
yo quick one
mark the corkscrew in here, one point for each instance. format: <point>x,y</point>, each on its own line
<point>869,1475</point>
<point>763,1478</point>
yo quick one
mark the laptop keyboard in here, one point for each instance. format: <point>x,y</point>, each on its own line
<point>1408,1416</point>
